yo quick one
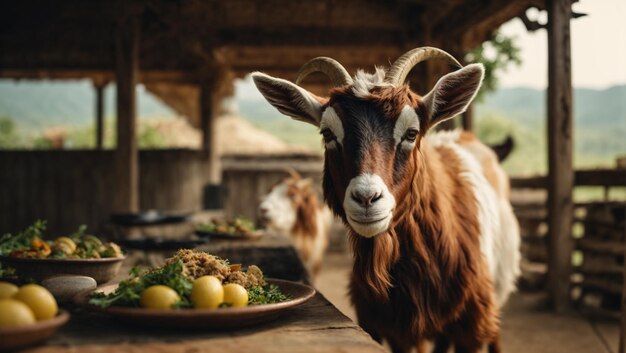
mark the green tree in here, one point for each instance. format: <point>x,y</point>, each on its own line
<point>9,137</point>
<point>496,54</point>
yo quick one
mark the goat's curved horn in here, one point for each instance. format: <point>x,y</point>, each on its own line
<point>330,67</point>
<point>397,73</point>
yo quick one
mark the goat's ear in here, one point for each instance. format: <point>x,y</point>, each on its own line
<point>290,99</point>
<point>453,93</point>
<point>305,183</point>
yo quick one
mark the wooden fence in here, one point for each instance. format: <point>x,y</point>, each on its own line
<point>69,188</point>
<point>598,234</point>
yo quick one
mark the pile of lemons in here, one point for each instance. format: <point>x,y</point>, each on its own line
<point>207,293</point>
<point>20,306</point>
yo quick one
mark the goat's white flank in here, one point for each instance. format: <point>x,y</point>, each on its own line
<point>499,231</point>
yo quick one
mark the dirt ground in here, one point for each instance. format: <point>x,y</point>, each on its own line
<point>527,324</point>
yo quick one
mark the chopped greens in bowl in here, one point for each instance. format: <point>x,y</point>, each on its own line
<point>179,274</point>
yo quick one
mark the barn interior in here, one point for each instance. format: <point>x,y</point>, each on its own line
<point>190,53</point>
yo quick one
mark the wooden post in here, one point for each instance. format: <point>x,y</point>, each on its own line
<point>560,171</point>
<point>126,154</point>
<point>207,120</point>
<point>99,88</point>
<point>468,118</point>
<point>622,331</point>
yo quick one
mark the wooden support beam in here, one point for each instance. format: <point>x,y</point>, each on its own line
<point>622,331</point>
<point>99,88</point>
<point>126,154</point>
<point>208,117</point>
<point>560,171</point>
<point>468,118</point>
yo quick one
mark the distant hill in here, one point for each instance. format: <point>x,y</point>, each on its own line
<point>37,105</point>
<point>599,115</point>
<point>592,108</point>
<point>599,124</point>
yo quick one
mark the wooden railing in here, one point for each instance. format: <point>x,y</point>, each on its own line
<point>591,177</point>
<point>598,238</point>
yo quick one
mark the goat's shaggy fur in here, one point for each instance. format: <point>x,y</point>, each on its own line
<point>449,257</point>
<point>298,214</point>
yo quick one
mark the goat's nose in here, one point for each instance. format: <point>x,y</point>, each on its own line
<point>263,210</point>
<point>366,199</point>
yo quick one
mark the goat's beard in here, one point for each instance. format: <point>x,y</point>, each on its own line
<point>373,260</point>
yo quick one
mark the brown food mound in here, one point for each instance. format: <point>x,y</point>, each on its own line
<point>198,264</point>
<point>251,278</point>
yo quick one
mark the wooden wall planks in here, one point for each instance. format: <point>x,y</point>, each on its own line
<point>69,188</point>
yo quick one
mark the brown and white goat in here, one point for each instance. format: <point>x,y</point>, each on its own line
<point>291,208</point>
<point>435,241</point>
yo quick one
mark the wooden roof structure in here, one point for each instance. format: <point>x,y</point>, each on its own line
<point>189,51</point>
<point>185,43</point>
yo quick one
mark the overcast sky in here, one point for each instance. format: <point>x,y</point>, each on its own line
<point>598,48</point>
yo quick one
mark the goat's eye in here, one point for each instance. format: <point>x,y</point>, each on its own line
<point>410,135</point>
<point>329,136</point>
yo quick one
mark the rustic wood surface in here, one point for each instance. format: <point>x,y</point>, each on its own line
<point>69,188</point>
<point>245,180</point>
<point>317,326</point>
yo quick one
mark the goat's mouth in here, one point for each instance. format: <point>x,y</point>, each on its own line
<point>369,227</point>
<point>367,222</point>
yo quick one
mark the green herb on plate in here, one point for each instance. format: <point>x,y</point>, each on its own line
<point>266,295</point>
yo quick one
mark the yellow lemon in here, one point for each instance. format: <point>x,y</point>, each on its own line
<point>207,292</point>
<point>235,295</point>
<point>64,245</point>
<point>14,313</point>
<point>159,297</point>
<point>7,290</point>
<point>39,300</point>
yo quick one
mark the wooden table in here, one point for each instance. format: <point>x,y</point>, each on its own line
<point>316,326</point>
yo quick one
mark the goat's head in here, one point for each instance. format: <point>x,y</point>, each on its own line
<point>372,127</point>
<point>280,208</point>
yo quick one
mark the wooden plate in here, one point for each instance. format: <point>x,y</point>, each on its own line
<point>222,318</point>
<point>24,336</point>
<point>102,270</point>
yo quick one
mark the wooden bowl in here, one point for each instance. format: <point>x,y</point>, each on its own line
<point>102,270</point>
<point>221,318</point>
<point>25,336</point>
